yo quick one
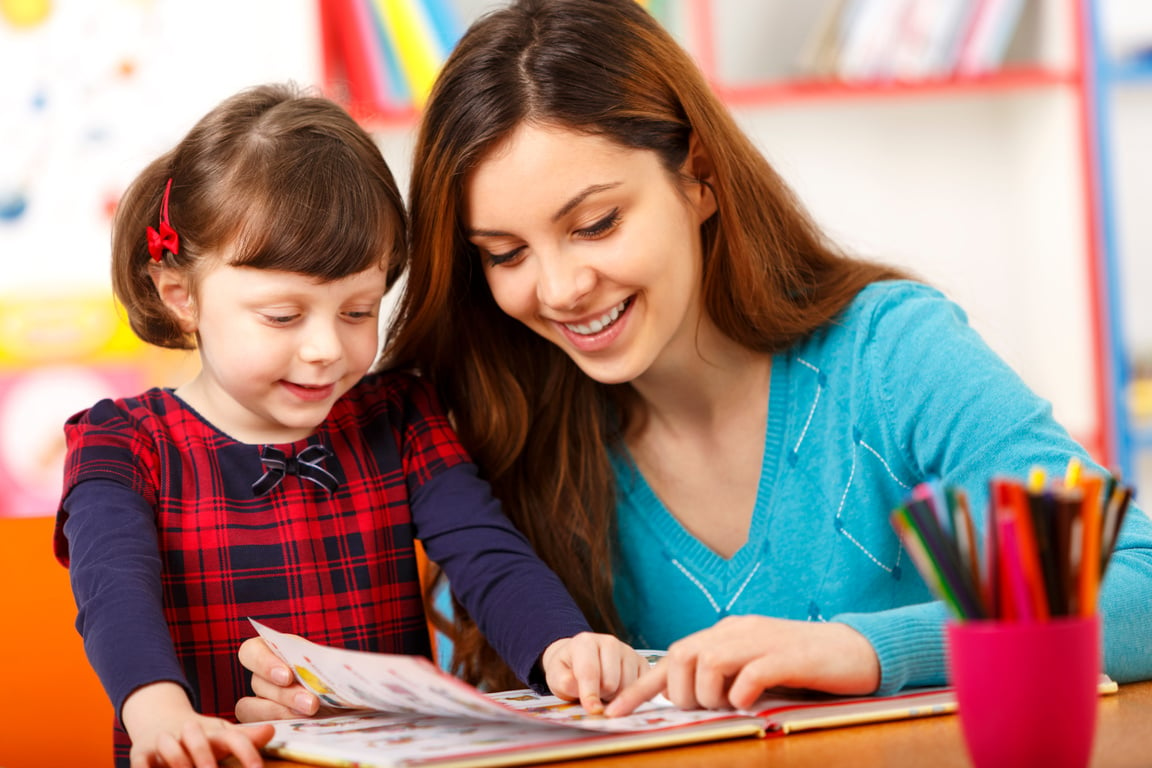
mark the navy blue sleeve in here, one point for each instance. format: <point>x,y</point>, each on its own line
<point>519,604</point>
<point>115,572</point>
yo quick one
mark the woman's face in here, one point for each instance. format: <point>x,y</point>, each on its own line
<point>594,246</point>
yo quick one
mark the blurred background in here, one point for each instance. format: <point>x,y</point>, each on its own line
<point>992,146</point>
<point>996,148</point>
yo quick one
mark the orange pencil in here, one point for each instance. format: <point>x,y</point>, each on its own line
<point>1029,551</point>
<point>1088,580</point>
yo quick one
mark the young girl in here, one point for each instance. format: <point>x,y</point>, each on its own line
<point>281,483</point>
<point>687,384</point>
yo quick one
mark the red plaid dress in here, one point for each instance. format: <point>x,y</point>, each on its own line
<point>173,524</point>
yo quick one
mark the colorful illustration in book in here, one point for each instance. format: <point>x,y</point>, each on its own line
<point>338,724</point>
<point>563,708</point>
<point>314,682</point>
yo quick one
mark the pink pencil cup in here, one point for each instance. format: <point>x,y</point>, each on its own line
<point>1027,691</point>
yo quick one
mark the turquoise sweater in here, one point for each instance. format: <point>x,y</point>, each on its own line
<point>900,390</point>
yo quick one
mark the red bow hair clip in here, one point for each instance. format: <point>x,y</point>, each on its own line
<point>166,239</point>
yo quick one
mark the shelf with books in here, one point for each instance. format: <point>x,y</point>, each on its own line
<point>976,179</point>
<point>850,47</point>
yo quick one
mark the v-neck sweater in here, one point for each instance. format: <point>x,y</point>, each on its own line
<point>897,391</point>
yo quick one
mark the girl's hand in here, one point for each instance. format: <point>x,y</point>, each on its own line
<point>166,731</point>
<point>278,695</point>
<point>590,668</point>
<point>733,662</point>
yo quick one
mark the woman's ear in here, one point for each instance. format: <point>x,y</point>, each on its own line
<point>175,291</point>
<point>698,172</point>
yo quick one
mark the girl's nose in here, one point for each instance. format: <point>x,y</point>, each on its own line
<point>320,343</point>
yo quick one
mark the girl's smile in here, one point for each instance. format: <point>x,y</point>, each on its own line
<point>310,393</point>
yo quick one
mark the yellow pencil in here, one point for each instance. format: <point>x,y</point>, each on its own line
<point>1072,474</point>
<point>1036,478</point>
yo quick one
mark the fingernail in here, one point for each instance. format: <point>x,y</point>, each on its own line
<point>281,676</point>
<point>303,703</point>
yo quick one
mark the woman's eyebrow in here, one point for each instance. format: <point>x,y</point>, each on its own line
<point>581,196</point>
<point>578,198</point>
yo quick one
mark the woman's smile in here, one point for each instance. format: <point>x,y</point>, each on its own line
<point>599,333</point>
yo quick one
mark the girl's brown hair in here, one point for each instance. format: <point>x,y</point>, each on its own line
<point>289,181</point>
<point>539,427</point>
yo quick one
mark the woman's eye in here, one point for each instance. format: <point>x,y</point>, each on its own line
<point>496,259</point>
<point>601,227</point>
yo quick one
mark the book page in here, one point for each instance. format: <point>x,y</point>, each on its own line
<point>401,684</point>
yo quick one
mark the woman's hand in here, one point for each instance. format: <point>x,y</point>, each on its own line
<point>166,730</point>
<point>732,663</point>
<point>278,695</point>
<point>590,668</point>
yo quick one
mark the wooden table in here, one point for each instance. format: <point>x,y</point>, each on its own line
<point>1123,740</point>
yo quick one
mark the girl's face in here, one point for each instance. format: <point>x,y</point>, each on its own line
<point>276,348</point>
<point>594,246</point>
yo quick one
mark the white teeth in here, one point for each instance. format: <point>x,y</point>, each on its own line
<point>600,323</point>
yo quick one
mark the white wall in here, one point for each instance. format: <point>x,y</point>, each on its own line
<point>978,194</point>
<point>98,89</point>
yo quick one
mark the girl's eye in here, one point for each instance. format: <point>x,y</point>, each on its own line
<point>601,227</point>
<point>280,319</point>
<point>360,315</point>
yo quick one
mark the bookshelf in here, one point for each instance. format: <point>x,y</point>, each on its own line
<point>981,183</point>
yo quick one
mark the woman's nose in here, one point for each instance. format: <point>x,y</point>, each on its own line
<point>563,282</point>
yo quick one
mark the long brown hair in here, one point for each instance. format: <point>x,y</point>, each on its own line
<point>287,178</point>
<point>540,428</point>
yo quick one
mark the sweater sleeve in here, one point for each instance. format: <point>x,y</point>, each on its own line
<point>115,573</point>
<point>518,602</point>
<point>957,412</point>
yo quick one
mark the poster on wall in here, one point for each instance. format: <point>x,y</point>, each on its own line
<point>60,354</point>
<point>91,91</point>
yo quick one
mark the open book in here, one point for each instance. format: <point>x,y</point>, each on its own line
<point>407,712</point>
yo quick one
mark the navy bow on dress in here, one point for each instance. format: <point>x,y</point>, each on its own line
<point>305,464</point>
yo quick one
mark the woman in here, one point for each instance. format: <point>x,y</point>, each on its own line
<point>693,404</point>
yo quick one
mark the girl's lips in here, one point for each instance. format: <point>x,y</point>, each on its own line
<point>309,393</point>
